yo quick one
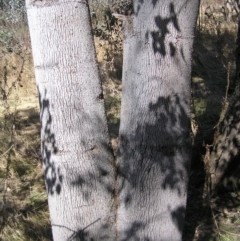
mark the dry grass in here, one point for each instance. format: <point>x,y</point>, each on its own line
<point>23,200</point>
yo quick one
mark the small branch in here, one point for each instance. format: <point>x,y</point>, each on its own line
<point>120,17</point>
<point>228,82</point>
<point>9,149</point>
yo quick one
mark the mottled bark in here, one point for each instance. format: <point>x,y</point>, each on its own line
<point>77,160</point>
<point>154,148</point>
<point>224,161</point>
<point>225,156</point>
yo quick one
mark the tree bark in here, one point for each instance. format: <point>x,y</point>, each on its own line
<point>238,51</point>
<point>154,148</point>
<point>77,158</point>
<point>154,141</point>
<point>224,166</point>
<point>224,160</point>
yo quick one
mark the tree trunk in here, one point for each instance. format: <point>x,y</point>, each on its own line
<point>154,142</point>
<point>224,159</point>
<point>77,158</point>
<point>224,165</point>
<point>238,51</point>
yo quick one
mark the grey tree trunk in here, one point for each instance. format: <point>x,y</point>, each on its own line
<point>77,158</point>
<point>154,142</point>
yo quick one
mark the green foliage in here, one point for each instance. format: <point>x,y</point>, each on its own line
<point>200,107</point>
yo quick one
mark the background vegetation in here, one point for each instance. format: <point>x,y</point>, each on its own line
<point>23,201</point>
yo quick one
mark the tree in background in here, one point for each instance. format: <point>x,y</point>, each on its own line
<point>224,160</point>
<point>143,195</point>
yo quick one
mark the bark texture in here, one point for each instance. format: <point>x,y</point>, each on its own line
<point>238,50</point>
<point>77,161</point>
<point>154,142</point>
<point>224,160</point>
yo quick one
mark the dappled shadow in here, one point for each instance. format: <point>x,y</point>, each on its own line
<point>88,177</point>
<point>163,25</point>
<point>158,37</point>
<point>155,143</point>
<point>132,232</point>
<point>152,150</point>
<point>52,175</point>
<point>102,170</point>
<point>225,171</point>
<point>155,156</point>
<point>82,234</point>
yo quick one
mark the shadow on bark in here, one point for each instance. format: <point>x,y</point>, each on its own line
<point>82,234</point>
<point>132,232</point>
<point>163,25</point>
<point>167,136</point>
<point>158,147</point>
<point>152,149</point>
<point>155,149</point>
<point>52,175</point>
<point>150,154</point>
<point>155,157</point>
<point>86,182</point>
<point>158,37</point>
<point>225,168</point>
